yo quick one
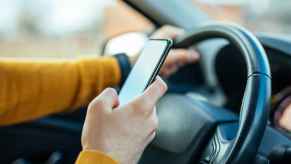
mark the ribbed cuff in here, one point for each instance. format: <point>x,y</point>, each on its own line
<point>94,157</point>
<point>125,66</point>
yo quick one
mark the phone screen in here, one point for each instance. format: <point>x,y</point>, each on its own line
<point>145,69</point>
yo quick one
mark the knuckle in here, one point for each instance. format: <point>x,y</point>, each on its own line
<point>147,106</point>
<point>96,104</point>
<point>152,137</point>
<point>147,102</point>
<point>134,105</point>
<point>155,124</point>
<point>154,121</point>
<point>112,92</point>
<point>140,108</point>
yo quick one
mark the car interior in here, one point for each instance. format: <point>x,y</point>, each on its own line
<point>219,110</point>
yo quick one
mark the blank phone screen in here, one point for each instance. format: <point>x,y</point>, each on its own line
<point>143,70</point>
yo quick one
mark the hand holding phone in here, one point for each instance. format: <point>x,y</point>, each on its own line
<point>145,70</point>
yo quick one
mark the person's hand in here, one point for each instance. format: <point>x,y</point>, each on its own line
<point>122,132</point>
<point>176,57</point>
<point>285,119</point>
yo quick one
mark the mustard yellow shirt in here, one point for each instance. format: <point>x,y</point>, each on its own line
<point>31,89</point>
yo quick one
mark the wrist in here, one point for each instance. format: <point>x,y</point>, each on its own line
<point>124,64</point>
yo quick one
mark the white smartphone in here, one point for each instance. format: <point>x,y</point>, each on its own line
<point>145,69</point>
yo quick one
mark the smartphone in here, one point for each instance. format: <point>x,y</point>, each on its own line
<point>145,69</point>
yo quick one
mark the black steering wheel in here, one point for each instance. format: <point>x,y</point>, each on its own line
<point>193,131</point>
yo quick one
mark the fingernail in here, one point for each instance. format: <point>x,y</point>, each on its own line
<point>159,78</point>
<point>193,55</point>
<point>162,84</point>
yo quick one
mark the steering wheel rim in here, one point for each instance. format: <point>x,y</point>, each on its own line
<point>255,104</point>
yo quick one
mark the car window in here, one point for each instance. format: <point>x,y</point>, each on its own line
<point>62,28</point>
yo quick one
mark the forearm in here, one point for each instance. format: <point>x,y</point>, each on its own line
<point>30,89</point>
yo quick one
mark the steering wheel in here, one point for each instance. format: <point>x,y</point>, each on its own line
<point>193,131</point>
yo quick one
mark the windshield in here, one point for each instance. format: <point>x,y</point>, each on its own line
<point>68,28</point>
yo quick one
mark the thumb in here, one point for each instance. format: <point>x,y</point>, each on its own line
<point>107,100</point>
<point>154,92</point>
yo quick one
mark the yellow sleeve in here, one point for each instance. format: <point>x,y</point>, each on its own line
<point>94,157</point>
<point>30,89</point>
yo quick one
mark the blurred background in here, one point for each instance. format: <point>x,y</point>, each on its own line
<point>69,28</point>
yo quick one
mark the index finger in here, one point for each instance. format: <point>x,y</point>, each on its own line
<point>106,101</point>
<point>182,56</point>
<point>168,31</point>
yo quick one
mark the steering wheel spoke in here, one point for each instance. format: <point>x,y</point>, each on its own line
<point>220,143</point>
